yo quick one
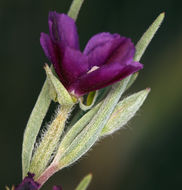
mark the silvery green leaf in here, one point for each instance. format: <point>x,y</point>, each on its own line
<point>145,41</point>
<point>75,8</point>
<point>57,91</point>
<point>124,111</point>
<point>84,183</point>
<point>76,129</point>
<point>33,126</point>
<point>89,135</point>
<point>92,96</point>
<point>147,37</point>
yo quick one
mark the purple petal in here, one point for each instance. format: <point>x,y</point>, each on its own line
<point>28,183</point>
<point>49,48</point>
<point>100,47</point>
<point>63,30</point>
<point>104,76</point>
<point>124,53</point>
<point>52,53</point>
<point>57,188</point>
<point>73,65</point>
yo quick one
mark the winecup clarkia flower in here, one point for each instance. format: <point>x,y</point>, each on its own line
<point>106,59</point>
<point>28,183</point>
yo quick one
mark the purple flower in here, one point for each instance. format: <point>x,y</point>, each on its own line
<point>28,183</point>
<point>106,59</point>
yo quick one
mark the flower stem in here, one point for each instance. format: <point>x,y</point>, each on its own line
<point>47,174</point>
<point>49,142</point>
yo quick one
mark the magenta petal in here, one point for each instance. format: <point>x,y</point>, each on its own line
<point>104,76</point>
<point>28,183</point>
<point>124,53</point>
<point>49,48</point>
<point>52,54</point>
<point>101,46</point>
<point>73,65</point>
<point>63,30</point>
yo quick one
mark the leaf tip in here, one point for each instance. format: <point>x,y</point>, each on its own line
<point>148,89</point>
<point>90,175</point>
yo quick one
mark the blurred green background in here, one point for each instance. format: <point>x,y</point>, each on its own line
<point>147,153</point>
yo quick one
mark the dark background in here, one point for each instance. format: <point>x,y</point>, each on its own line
<point>147,153</point>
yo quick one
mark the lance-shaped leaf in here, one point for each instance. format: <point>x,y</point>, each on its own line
<point>84,183</point>
<point>144,41</point>
<point>89,135</point>
<point>75,8</point>
<point>33,126</point>
<point>147,37</point>
<point>57,91</point>
<point>124,111</point>
<point>76,129</point>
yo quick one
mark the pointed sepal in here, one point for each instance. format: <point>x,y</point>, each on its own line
<point>57,91</point>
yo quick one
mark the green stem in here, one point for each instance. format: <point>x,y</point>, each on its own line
<point>49,142</point>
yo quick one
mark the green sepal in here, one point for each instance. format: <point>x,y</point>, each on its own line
<point>57,91</point>
<point>124,111</point>
<point>84,182</point>
<point>91,99</point>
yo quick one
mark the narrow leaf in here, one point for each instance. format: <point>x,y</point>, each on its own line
<point>145,41</point>
<point>147,37</point>
<point>33,126</point>
<point>76,129</point>
<point>89,135</point>
<point>84,183</point>
<point>75,8</point>
<point>124,111</point>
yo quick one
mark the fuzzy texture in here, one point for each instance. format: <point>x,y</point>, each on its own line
<point>106,59</point>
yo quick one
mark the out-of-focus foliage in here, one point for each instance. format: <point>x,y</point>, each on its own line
<point>147,154</point>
